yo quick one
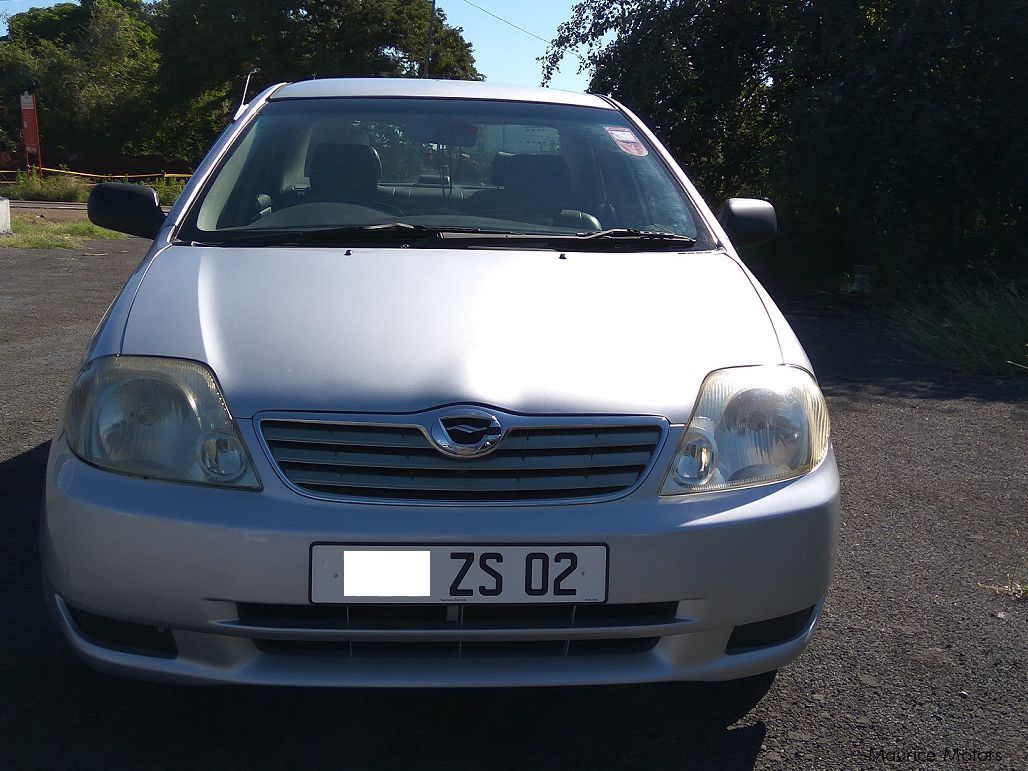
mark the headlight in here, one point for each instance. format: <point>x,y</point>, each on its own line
<point>159,418</point>
<point>751,426</point>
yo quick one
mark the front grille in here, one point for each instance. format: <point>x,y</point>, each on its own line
<point>441,616</point>
<point>465,630</point>
<point>397,462</point>
<point>458,649</point>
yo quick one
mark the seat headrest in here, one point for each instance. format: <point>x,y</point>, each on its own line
<point>544,181</point>
<point>345,169</point>
<point>498,171</point>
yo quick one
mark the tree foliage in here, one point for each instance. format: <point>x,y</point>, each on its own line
<point>163,77</point>
<point>289,40</point>
<point>887,132</point>
<point>96,64</point>
<point>55,23</point>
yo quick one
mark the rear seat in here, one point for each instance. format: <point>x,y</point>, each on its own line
<point>422,199</point>
<point>531,187</point>
<point>351,173</point>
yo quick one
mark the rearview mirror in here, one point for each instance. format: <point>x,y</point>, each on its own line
<point>443,131</point>
<point>126,208</point>
<point>748,221</point>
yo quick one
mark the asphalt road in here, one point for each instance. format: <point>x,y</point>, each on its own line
<point>912,657</point>
<point>50,210</point>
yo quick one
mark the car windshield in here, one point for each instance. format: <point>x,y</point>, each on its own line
<point>476,166</point>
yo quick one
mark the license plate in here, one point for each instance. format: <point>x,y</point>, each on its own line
<point>459,573</point>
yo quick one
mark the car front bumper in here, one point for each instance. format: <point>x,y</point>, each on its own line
<point>183,558</point>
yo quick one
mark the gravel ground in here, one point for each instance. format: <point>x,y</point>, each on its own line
<point>913,662</point>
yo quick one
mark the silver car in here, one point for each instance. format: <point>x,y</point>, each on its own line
<point>431,383</point>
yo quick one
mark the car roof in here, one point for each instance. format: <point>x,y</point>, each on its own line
<point>445,89</point>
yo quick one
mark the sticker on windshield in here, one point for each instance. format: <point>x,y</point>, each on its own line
<point>626,140</point>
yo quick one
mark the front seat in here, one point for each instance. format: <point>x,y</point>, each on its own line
<point>346,173</point>
<point>536,188</point>
<point>484,200</point>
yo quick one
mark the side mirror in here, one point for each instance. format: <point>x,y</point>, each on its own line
<point>126,208</point>
<point>748,221</point>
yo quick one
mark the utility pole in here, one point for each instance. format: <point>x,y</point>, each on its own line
<point>428,42</point>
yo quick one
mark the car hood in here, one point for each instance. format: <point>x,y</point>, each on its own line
<point>399,330</point>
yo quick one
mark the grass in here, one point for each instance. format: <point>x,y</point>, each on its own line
<point>38,233</point>
<point>52,188</point>
<point>1013,588</point>
<point>979,327</point>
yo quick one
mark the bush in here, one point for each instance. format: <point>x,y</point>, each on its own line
<point>63,188</point>
<point>60,187</point>
<point>168,190</point>
<point>973,326</point>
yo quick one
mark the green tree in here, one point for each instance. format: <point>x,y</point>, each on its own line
<point>58,23</point>
<point>903,144</point>
<point>208,47</point>
<point>63,21</point>
<point>295,39</point>
<point>887,132</point>
<point>164,77</point>
<point>96,77</point>
<point>698,71</point>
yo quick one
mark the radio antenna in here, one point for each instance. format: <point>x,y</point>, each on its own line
<point>246,88</point>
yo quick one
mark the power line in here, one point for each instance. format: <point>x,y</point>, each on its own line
<point>505,21</point>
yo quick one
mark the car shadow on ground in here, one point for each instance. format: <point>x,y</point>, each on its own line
<point>854,358</point>
<point>57,712</point>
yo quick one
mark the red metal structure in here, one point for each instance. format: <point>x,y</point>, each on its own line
<point>30,128</point>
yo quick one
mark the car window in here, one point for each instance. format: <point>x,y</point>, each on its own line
<point>500,166</point>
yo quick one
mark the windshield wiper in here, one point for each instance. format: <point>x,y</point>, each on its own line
<point>613,238</point>
<point>425,236</point>
<point>631,234</point>
<point>387,232</point>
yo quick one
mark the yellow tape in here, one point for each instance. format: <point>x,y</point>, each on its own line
<point>65,171</point>
<point>159,175</point>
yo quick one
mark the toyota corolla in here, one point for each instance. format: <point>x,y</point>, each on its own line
<point>431,383</point>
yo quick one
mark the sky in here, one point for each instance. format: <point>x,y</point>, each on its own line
<point>503,53</point>
<point>506,55</point>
